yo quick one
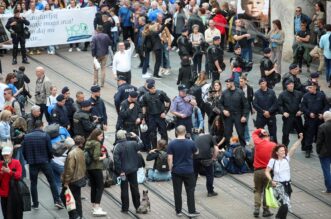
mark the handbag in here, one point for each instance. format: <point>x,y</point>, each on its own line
<point>70,200</point>
<point>96,64</point>
<point>24,192</point>
<point>27,33</point>
<point>271,201</point>
<point>79,183</point>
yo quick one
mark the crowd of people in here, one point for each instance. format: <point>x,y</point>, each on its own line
<point>70,148</point>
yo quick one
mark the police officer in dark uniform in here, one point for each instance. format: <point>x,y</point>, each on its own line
<point>215,58</point>
<point>235,109</point>
<point>155,107</point>
<point>15,25</point>
<point>69,105</point>
<point>60,113</point>
<point>123,91</point>
<point>98,107</point>
<point>184,45</point>
<point>293,75</point>
<point>289,102</point>
<point>313,105</point>
<point>268,69</point>
<point>130,114</point>
<point>84,123</point>
<point>182,107</point>
<point>266,106</point>
<point>313,78</point>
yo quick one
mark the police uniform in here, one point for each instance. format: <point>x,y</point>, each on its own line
<point>60,114</point>
<point>83,121</point>
<point>297,82</point>
<point>98,107</point>
<point>266,65</point>
<point>317,104</point>
<point>289,102</point>
<point>184,45</point>
<point>313,76</point>
<point>183,105</point>
<point>122,93</point>
<point>127,117</point>
<point>154,103</point>
<point>236,103</point>
<point>70,107</point>
<point>266,101</point>
<point>215,53</point>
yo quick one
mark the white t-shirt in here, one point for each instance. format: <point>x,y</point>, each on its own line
<point>116,21</point>
<point>281,169</point>
<point>51,100</point>
<point>2,97</point>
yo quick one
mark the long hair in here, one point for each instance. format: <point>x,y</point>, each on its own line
<point>278,24</point>
<point>20,123</point>
<point>202,78</point>
<point>276,149</point>
<point>9,77</point>
<point>219,129</point>
<point>94,134</point>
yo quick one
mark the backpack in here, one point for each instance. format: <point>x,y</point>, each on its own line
<point>88,157</point>
<point>162,162</point>
<point>59,148</point>
<point>239,155</point>
<point>53,130</point>
<point>219,169</point>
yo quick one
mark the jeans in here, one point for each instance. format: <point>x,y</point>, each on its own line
<point>19,156</point>
<point>165,57</point>
<point>247,135</point>
<point>158,57</point>
<point>115,38</point>
<point>236,78</point>
<point>96,180</point>
<point>328,70</point>
<point>155,175</point>
<point>46,168</point>
<point>76,192</point>
<point>260,182</point>
<point>197,60</point>
<point>325,164</point>
<point>132,179</point>
<point>209,171</point>
<point>146,61</point>
<point>57,171</point>
<point>247,53</point>
<point>189,183</point>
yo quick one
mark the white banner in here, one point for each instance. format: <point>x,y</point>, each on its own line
<point>59,26</point>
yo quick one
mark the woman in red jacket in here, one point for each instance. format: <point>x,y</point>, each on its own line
<point>220,24</point>
<point>8,168</point>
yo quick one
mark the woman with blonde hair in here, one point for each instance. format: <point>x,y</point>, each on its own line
<point>276,37</point>
<point>5,117</point>
<point>147,48</point>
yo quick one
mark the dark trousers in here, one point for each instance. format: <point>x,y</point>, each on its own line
<point>310,133</point>
<point>158,59</point>
<point>146,62</point>
<point>325,164</point>
<point>155,122</point>
<point>127,32</point>
<point>19,40</point>
<point>189,183</point>
<point>215,75</point>
<point>126,75</point>
<point>46,168</point>
<point>187,122</point>
<point>132,179</point>
<point>209,171</point>
<point>290,123</point>
<point>140,52</point>
<point>240,127</point>
<point>76,192</point>
<point>197,60</point>
<point>96,181</point>
<point>4,204</point>
<point>261,121</point>
<point>43,110</point>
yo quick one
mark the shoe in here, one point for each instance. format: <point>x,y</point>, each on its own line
<point>194,214</point>
<point>125,211</point>
<point>99,212</point>
<point>38,52</point>
<point>307,154</point>
<point>167,71</point>
<point>145,76</point>
<point>161,71</point>
<point>140,211</point>
<point>267,213</point>
<point>157,77</point>
<point>326,192</point>
<point>25,61</point>
<point>212,194</point>
<point>31,53</point>
<point>256,212</point>
<point>174,48</point>
<point>179,214</point>
<point>35,206</point>
<point>78,49</point>
<point>70,50</point>
<point>329,85</point>
<point>59,205</point>
<point>14,62</point>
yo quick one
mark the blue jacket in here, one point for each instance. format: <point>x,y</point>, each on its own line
<point>37,147</point>
<point>229,162</point>
<point>63,135</point>
<point>125,15</point>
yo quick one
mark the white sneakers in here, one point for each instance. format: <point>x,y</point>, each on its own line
<point>78,49</point>
<point>146,75</point>
<point>166,71</point>
<point>70,50</point>
<point>98,212</point>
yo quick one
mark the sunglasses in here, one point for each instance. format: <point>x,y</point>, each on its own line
<point>297,10</point>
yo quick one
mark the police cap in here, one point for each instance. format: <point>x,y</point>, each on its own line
<point>60,97</point>
<point>95,88</point>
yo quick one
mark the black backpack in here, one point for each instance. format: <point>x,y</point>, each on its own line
<point>239,156</point>
<point>162,162</point>
<point>88,157</point>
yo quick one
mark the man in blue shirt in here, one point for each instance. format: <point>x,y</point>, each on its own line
<point>180,161</point>
<point>298,18</point>
<point>125,15</point>
<point>325,44</point>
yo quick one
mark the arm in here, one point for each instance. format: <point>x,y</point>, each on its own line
<point>26,79</point>
<point>96,152</point>
<point>267,173</point>
<point>280,104</point>
<point>93,48</point>
<point>152,155</point>
<point>115,64</point>
<point>170,160</point>
<point>320,140</point>
<point>17,109</point>
<point>117,159</point>
<point>131,49</point>
<point>200,119</point>
<point>69,170</point>
<point>256,139</point>
<point>295,145</point>
<point>274,106</point>
<point>18,173</point>
<point>48,88</point>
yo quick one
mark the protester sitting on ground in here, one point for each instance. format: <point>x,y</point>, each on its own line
<point>160,170</point>
<point>235,156</point>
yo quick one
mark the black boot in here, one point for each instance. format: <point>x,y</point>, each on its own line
<point>266,213</point>
<point>14,62</point>
<point>25,61</point>
<point>307,154</point>
<point>256,212</point>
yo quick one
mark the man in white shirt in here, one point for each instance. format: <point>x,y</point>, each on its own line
<point>211,32</point>
<point>122,61</point>
<point>3,86</point>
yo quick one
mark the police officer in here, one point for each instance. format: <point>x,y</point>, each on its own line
<point>268,69</point>
<point>60,113</point>
<point>123,91</point>
<point>155,106</point>
<point>293,75</point>
<point>84,123</point>
<point>130,114</point>
<point>182,107</point>
<point>235,109</point>
<point>313,78</point>
<point>15,25</point>
<point>314,104</point>
<point>289,106</point>
<point>266,106</point>
<point>215,58</point>
<point>184,45</point>
<point>69,103</point>
<point>98,107</point>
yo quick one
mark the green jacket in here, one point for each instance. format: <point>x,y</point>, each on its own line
<point>94,148</point>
